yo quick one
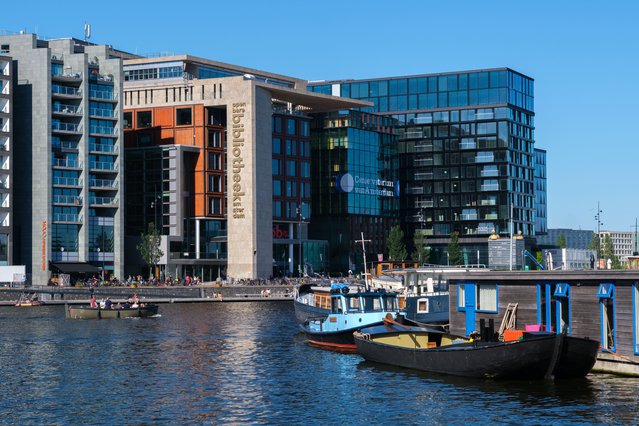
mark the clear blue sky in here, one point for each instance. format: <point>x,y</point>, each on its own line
<point>583,55</point>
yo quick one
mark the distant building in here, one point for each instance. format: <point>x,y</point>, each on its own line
<point>541,205</point>
<point>575,238</point>
<point>622,243</point>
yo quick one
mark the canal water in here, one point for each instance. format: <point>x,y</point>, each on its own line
<point>247,363</point>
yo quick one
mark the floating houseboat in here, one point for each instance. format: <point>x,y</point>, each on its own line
<point>597,304</point>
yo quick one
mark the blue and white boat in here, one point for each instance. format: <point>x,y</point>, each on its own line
<point>350,312</point>
<point>313,301</point>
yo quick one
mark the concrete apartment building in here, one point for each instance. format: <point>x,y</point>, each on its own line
<point>67,114</point>
<point>6,166</point>
<point>623,243</point>
<point>202,161</point>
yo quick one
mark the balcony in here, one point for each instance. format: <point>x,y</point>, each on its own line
<point>104,166</point>
<point>67,77</point>
<point>423,176</point>
<point>67,217</point>
<point>67,181</point>
<point>58,144</point>
<point>72,200</point>
<point>59,127</point>
<point>108,184</point>
<point>103,113</point>
<point>103,201</point>
<point>65,92</point>
<point>490,187</point>
<point>104,131</point>
<point>67,164</point>
<point>103,95</point>
<point>63,109</point>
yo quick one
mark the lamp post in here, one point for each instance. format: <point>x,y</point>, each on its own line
<point>101,265</point>
<point>599,223</point>
<point>299,236</point>
<point>62,254</point>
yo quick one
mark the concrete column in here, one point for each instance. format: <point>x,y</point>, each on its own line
<point>197,238</point>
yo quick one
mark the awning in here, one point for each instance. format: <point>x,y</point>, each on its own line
<point>74,268</point>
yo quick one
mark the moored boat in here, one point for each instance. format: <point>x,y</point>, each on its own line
<point>28,300</point>
<point>349,312</point>
<point>87,312</point>
<point>313,301</point>
<point>535,356</point>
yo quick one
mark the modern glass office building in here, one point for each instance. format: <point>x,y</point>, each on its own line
<point>541,206</point>
<point>466,148</point>
<point>355,186</point>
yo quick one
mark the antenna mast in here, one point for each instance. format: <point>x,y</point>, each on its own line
<point>364,251</point>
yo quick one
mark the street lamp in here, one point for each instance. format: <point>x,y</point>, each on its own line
<point>599,223</point>
<point>62,254</point>
<point>299,236</point>
<point>102,265</point>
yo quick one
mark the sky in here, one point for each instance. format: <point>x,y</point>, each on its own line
<point>583,56</point>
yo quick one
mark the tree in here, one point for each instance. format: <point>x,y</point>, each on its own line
<point>595,244</point>
<point>395,244</point>
<point>455,254</point>
<point>561,241</point>
<point>149,247</point>
<point>422,251</point>
<point>608,252</point>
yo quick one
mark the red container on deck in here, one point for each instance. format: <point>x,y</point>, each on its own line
<point>512,335</point>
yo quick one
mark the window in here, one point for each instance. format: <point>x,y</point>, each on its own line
<point>214,161</point>
<point>183,116</point>
<point>144,119</point>
<point>215,205</point>
<point>290,126</point>
<point>422,306</point>
<point>607,316</point>
<point>290,168</point>
<point>461,296</point>
<point>277,124</point>
<point>128,120</point>
<point>277,167</point>
<point>487,298</point>
<point>277,146</point>
<point>291,147</point>
<point>277,188</point>
<point>215,183</point>
<point>215,139</point>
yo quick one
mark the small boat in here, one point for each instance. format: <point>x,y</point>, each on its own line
<point>535,356</point>
<point>28,300</point>
<point>87,312</point>
<point>349,312</point>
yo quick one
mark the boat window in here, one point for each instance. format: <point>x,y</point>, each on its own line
<point>461,296</point>
<point>607,307</point>
<point>372,303</point>
<point>353,304</point>
<point>390,303</point>
<point>336,305</point>
<point>487,297</point>
<point>422,306</point>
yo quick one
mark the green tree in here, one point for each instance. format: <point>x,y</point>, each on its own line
<point>149,247</point>
<point>608,252</point>
<point>422,251</point>
<point>455,254</point>
<point>561,241</point>
<point>395,244</point>
<point>595,244</point>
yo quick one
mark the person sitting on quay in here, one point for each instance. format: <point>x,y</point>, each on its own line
<point>94,304</point>
<point>102,303</point>
<point>108,303</point>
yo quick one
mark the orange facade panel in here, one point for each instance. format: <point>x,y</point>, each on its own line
<point>163,116</point>
<point>184,136</point>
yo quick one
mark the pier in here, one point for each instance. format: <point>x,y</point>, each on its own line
<point>207,293</point>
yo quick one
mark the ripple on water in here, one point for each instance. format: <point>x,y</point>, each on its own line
<point>248,363</point>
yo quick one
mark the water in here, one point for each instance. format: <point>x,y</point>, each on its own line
<point>246,362</point>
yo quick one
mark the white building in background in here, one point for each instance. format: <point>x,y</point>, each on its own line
<point>623,243</point>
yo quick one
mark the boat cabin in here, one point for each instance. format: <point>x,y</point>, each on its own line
<point>600,304</point>
<point>363,302</point>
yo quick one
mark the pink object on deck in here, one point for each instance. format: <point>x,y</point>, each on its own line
<point>535,327</point>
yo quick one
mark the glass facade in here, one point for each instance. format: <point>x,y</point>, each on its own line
<point>541,207</point>
<point>466,150</point>
<point>355,186</point>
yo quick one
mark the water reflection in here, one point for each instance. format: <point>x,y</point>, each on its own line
<point>247,362</point>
